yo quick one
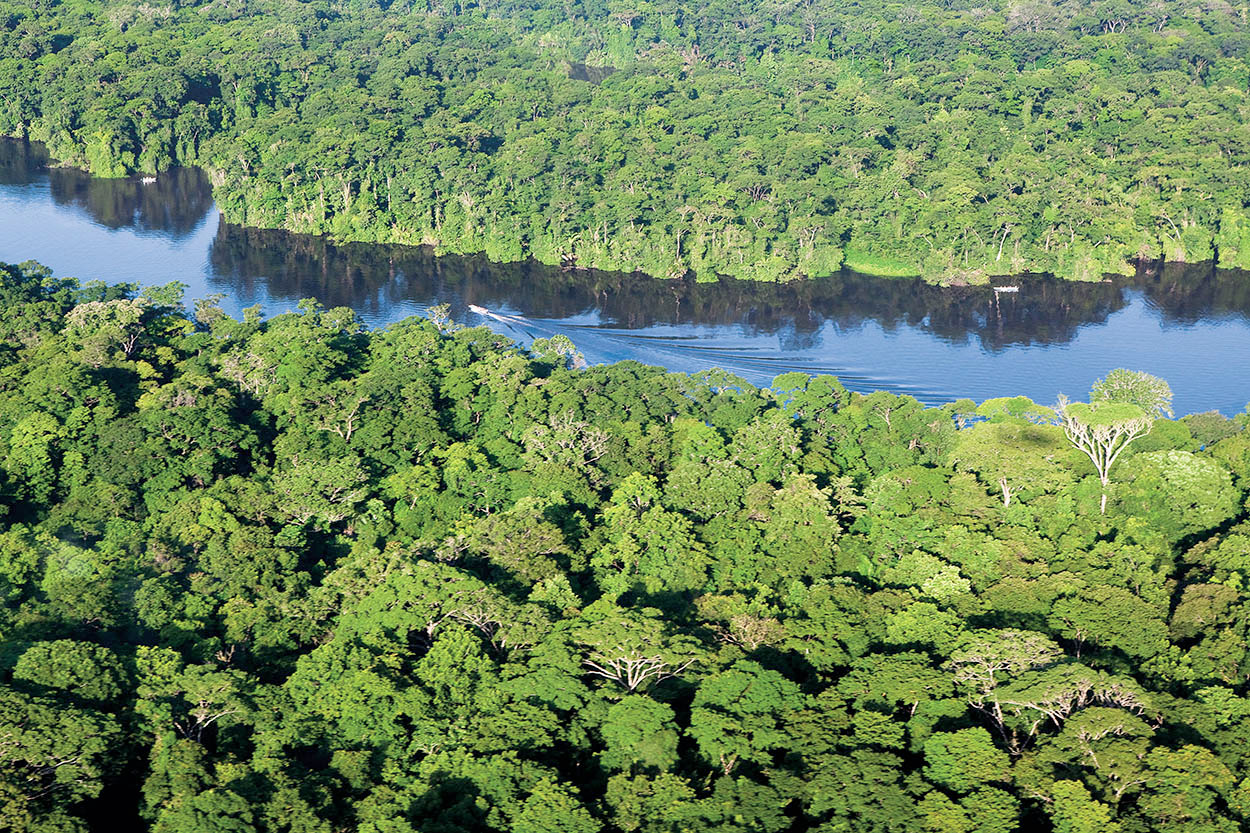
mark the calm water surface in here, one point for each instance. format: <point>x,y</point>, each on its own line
<point>1190,325</point>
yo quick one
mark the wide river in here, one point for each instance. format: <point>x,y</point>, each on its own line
<point>1187,324</point>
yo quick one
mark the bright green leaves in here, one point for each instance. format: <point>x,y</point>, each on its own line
<point>634,649</point>
<point>925,624</point>
<point>1113,618</point>
<point>1107,746</point>
<point>422,581</point>
<point>452,668</point>
<point>97,328</point>
<point>863,785</point>
<point>1016,460</point>
<point>107,153</point>
<point>562,455</point>
<point>738,715</point>
<point>553,808</point>
<point>521,541</point>
<point>641,804</point>
<point>1187,786</point>
<point>1179,493</point>
<point>320,491</point>
<point>195,701</point>
<point>639,735</point>
<point>1015,409</point>
<point>798,525</point>
<point>212,811</point>
<point>647,546</point>
<point>19,562</point>
<point>54,756</point>
<point>1102,431</point>
<point>964,760</point>
<point>988,810</point>
<point>874,728</point>
<point>1073,810</point>
<point>31,459</point>
<point>79,583</point>
<point>81,669</point>
<point>768,447</point>
<point>929,574</point>
<point>1131,387</point>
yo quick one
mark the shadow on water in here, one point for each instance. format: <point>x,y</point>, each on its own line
<point>174,204</point>
<point>255,263</point>
<point>269,266</point>
<point>21,163</point>
<point>1188,293</point>
<point>1188,323</point>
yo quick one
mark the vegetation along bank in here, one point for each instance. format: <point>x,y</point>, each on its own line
<point>764,141</point>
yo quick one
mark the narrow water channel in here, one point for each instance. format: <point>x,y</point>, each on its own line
<point>1188,324</point>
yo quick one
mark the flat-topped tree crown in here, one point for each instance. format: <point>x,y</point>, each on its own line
<point>1104,414</point>
<point>1015,409</point>
<point>1102,430</point>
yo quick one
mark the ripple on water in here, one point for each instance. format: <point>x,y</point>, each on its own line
<point>1188,324</point>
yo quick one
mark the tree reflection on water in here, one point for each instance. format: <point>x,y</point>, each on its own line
<point>372,278</point>
<point>174,204</point>
<point>277,266</point>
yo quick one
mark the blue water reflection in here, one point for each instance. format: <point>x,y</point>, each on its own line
<point>1190,325</point>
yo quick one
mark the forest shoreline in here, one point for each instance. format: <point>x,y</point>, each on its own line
<point>753,151</point>
<point>853,262</point>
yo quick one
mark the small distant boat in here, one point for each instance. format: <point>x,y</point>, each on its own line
<point>148,180</point>
<point>1006,289</point>
<point>498,316</point>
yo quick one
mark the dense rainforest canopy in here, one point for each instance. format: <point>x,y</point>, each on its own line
<point>293,575</point>
<point>761,140</point>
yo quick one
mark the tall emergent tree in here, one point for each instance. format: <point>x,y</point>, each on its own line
<point>1102,430</point>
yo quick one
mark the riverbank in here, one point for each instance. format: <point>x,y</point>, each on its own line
<point>723,160</point>
<point>937,343</point>
<point>852,260</point>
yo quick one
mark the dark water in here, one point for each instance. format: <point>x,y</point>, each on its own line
<point>1190,325</point>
